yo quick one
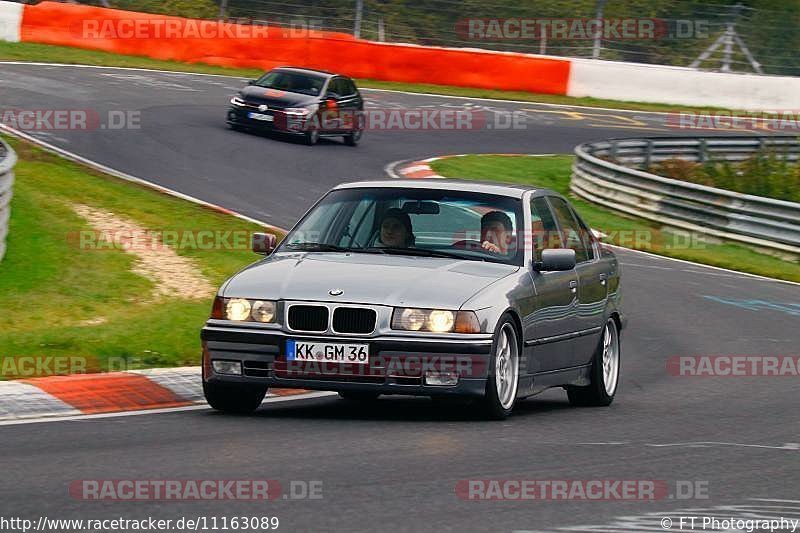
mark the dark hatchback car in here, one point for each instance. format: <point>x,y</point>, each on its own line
<point>438,288</point>
<point>303,102</point>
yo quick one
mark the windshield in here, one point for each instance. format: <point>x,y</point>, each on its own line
<point>292,82</point>
<point>420,222</point>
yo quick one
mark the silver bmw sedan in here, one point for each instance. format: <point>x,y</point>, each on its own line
<point>442,288</point>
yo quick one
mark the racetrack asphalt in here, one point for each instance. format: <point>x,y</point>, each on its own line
<point>394,465</point>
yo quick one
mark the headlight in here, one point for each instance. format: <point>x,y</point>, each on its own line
<point>237,309</point>
<point>238,102</point>
<point>411,319</point>
<point>244,310</point>
<point>263,311</point>
<point>441,321</point>
<point>301,111</point>
<point>435,320</point>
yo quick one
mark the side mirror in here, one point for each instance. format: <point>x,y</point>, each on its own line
<point>556,259</point>
<point>330,103</point>
<point>252,82</point>
<point>263,243</point>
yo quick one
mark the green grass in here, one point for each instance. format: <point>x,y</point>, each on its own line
<point>51,289</point>
<point>60,54</point>
<point>766,173</point>
<point>554,173</point>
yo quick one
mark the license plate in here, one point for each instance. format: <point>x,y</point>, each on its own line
<point>327,352</point>
<point>261,116</point>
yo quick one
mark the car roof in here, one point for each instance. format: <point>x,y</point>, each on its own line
<point>312,71</point>
<point>513,190</point>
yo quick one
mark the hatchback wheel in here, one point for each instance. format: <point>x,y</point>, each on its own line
<point>501,387</point>
<point>311,137</point>
<point>234,398</point>
<point>352,139</point>
<point>604,373</point>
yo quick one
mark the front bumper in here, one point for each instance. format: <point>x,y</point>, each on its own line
<point>240,116</point>
<point>397,364</point>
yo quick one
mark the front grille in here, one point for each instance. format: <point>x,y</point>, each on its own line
<point>308,318</point>
<point>255,105</point>
<point>353,320</point>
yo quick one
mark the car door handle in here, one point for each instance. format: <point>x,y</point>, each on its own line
<point>573,286</point>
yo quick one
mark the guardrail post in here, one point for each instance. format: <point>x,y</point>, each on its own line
<point>613,151</point>
<point>648,154</point>
<point>702,148</point>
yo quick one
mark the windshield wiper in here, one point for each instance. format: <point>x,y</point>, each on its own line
<point>423,252</point>
<point>317,247</point>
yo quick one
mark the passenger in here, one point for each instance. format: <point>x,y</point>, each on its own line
<point>396,230</point>
<point>496,232</point>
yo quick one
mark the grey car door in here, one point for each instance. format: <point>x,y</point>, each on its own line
<point>348,102</point>
<point>552,318</point>
<point>592,280</point>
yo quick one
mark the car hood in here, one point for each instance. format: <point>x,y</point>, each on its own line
<point>280,99</point>
<point>366,278</point>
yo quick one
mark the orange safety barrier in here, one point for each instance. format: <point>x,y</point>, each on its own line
<point>232,45</point>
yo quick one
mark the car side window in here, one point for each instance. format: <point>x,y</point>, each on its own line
<point>335,87</point>
<point>348,87</point>
<point>586,233</point>
<point>544,232</point>
<point>571,231</point>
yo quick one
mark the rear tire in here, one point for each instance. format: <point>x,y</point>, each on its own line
<point>352,139</point>
<point>606,364</point>
<point>503,380</point>
<point>234,398</point>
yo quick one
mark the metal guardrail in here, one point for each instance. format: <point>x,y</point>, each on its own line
<point>605,173</point>
<point>7,160</point>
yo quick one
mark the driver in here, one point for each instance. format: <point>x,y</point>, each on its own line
<point>396,230</point>
<point>496,232</point>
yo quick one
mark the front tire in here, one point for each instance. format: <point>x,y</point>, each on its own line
<point>503,380</point>
<point>234,398</point>
<point>604,373</point>
<point>311,137</point>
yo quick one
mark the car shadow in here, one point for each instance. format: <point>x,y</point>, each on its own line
<point>285,137</point>
<point>398,408</point>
